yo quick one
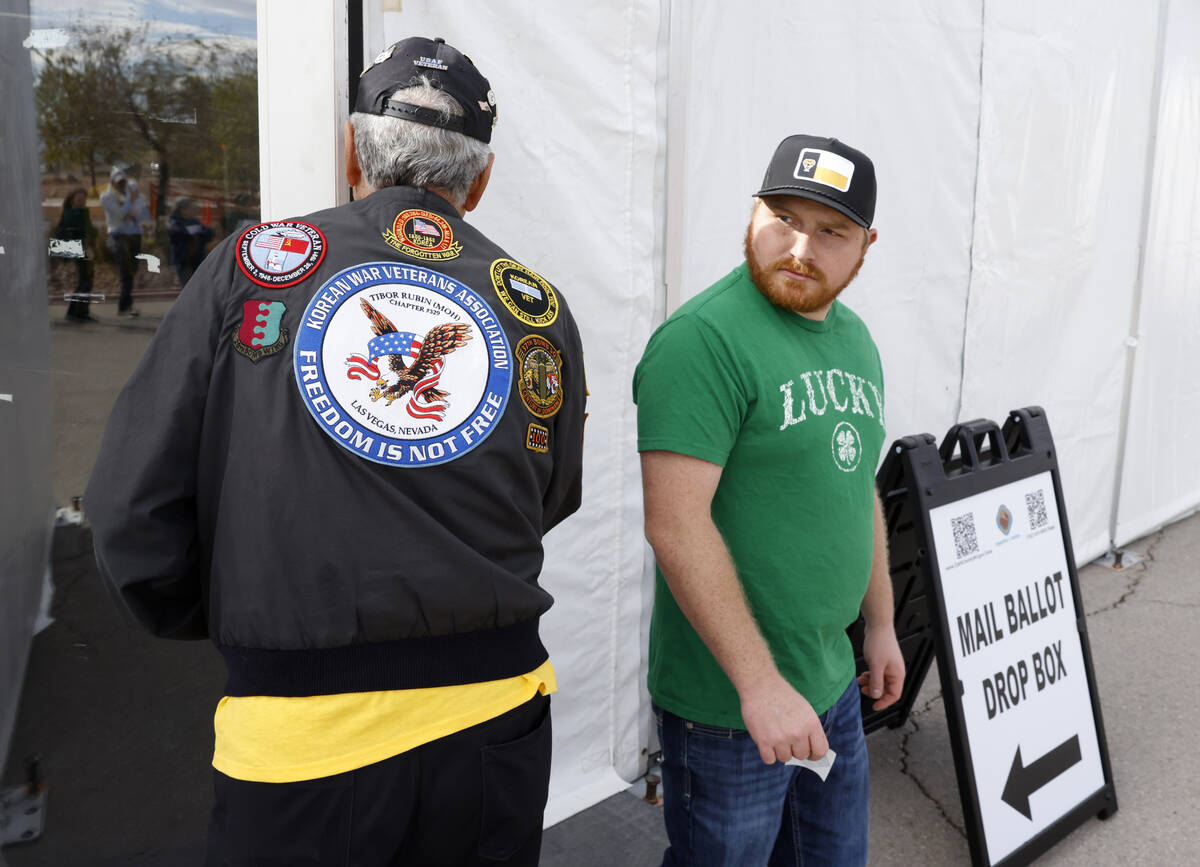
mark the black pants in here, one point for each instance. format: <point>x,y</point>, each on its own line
<point>473,797</point>
<point>84,270</point>
<point>125,249</point>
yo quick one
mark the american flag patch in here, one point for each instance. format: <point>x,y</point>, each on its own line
<point>526,288</point>
<point>422,227</point>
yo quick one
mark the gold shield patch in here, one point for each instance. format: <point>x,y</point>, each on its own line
<point>539,367</point>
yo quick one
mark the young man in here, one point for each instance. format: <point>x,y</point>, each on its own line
<point>331,461</point>
<point>760,422</point>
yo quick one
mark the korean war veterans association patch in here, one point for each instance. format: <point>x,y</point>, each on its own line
<point>422,235</point>
<point>540,364</point>
<point>259,334</point>
<point>279,255</point>
<point>401,365</point>
<point>526,295</point>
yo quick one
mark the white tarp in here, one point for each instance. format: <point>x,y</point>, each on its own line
<point>903,88</point>
<point>1162,473</point>
<point>1013,144</point>
<point>1063,148</point>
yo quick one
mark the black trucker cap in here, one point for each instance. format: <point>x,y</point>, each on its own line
<point>403,63</point>
<point>826,171</point>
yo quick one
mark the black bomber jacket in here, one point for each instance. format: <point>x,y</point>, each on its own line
<point>341,451</point>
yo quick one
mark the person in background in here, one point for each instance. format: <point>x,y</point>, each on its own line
<point>760,423</point>
<point>241,216</point>
<point>189,239</point>
<point>75,224</point>
<point>125,210</point>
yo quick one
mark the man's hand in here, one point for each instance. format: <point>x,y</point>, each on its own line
<point>884,677</point>
<point>782,723</point>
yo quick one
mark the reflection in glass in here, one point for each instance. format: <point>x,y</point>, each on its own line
<point>148,118</point>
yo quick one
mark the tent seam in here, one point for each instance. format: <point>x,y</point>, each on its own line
<point>962,370</point>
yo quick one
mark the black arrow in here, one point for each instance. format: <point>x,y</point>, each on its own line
<point>1024,781</point>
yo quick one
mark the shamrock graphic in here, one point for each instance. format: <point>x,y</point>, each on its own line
<point>847,447</point>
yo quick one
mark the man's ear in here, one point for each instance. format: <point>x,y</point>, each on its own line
<point>479,185</point>
<point>354,174</point>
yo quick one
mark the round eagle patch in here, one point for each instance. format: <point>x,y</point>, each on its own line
<point>279,255</point>
<point>402,365</point>
<point>525,293</point>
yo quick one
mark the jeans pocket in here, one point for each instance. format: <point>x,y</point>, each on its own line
<point>516,782</point>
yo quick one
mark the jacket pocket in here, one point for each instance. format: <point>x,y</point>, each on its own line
<point>516,782</point>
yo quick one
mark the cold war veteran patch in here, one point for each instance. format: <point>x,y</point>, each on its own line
<point>279,255</point>
<point>259,334</point>
<point>423,235</point>
<point>401,365</point>
<point>540,364</point>
<point>525,293</point>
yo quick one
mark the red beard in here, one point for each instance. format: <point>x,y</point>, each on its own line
<point>782,291</point>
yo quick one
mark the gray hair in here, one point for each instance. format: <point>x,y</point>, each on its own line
<point>395,152</point>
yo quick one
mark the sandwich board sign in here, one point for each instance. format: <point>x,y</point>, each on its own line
<point>1001,601</point>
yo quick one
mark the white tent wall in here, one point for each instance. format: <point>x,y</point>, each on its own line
<point>898,81</point>
<point>571,196</point>
<point>1161,475</point>
<point>1064,138</point>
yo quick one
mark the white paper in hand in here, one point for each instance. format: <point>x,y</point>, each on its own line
<point>820,766</point>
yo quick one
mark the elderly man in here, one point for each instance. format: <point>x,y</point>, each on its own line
<point>338,459</point>
<point>760,421</point>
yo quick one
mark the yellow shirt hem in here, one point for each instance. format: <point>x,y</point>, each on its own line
<point>277,739</point>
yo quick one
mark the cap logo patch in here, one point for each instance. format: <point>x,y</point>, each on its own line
<point>430,63</point>
<point>422,235</point>
<point>381,56</point>
<point>259,335</point>
<point>540,366</point>
<point>526,294</point>
<point>279,255</point>
<point>824,167</point>
<point>537,439</point>
<point>401,365</point>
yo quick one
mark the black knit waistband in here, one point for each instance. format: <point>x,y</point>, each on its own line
<point>413,663</point>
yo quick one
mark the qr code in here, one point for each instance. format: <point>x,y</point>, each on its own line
<point>965,540</point>
<point>1035,502</point>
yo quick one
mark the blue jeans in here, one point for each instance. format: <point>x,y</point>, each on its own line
<point>723,806</point>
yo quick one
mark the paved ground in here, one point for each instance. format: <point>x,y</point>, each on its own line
<point>123,725</point>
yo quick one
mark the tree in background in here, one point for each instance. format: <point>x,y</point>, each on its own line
<point>111,94</point>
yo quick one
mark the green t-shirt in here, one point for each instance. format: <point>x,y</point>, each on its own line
<point>792,409</point>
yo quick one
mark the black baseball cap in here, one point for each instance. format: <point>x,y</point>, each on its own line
<point>826,171</point>
<point>403,63</point>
